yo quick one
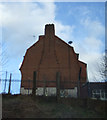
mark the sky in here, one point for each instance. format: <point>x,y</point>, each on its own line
<point>80,22</point>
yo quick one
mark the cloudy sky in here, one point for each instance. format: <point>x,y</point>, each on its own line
<point>81,22</point>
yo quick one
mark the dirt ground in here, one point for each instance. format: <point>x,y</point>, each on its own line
<point>23,106</point>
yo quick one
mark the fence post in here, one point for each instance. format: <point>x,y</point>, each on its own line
<point>34,83</point>
<point>28,86</point>
<point>10,83</point>
<point>5,82</point>
<point>79,83</point>
<point>58,85</point>
<point>44,88</point>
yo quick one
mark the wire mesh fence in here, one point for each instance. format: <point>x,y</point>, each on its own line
<point>10,86</point>
<point>26,87</point>
<point>64,88</point>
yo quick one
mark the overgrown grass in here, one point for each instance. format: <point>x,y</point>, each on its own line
<point>23,106</point>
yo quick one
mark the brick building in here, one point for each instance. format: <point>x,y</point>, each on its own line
<point>94,90</point>
<point>48,56</point>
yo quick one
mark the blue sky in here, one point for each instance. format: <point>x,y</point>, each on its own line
<point>81,22</point>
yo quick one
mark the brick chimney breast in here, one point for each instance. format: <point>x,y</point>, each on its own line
<point>49,29</point>
<point>48,56</point>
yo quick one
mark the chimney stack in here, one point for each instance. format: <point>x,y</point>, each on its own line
<point>49,29</point>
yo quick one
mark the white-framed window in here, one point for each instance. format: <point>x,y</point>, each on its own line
<point>102,93</point>
<point>95,93</point>
<point>99,93</point>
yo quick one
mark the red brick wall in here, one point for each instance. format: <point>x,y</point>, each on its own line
<point>48,56</point>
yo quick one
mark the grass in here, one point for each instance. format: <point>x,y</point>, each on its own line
<point>23,106</point>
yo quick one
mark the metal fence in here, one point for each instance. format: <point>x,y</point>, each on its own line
<point>14,87</point>
<point>11,86</point>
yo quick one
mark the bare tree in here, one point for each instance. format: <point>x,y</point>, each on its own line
<point>105,67</point>
<point>102,67</point>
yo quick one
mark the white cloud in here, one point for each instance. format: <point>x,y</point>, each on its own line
<point>94,45</point>
<point>23,20</point>
<point>65,32</point>
<point>91,46</point>
<point>20,21</point>
<point>93,27</point>
<point>52,0</point>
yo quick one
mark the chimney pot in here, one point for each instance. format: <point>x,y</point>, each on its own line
<point>49,29</point>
